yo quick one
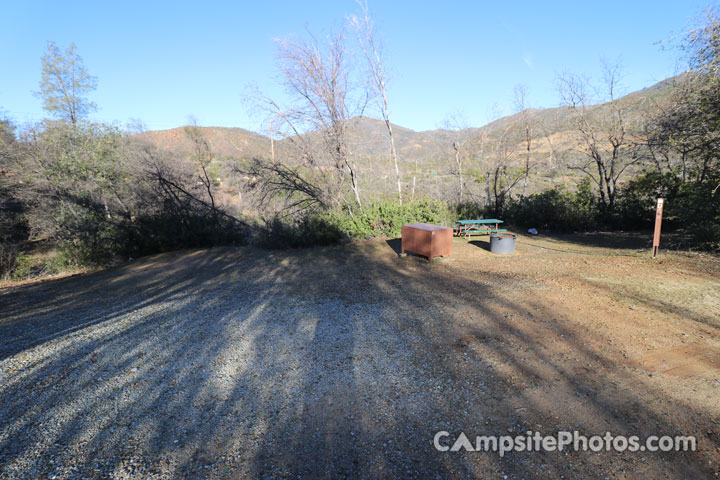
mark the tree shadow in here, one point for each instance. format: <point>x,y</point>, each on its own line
<point>336,363</point>
<point>658,304</point>
<point>612,240</point>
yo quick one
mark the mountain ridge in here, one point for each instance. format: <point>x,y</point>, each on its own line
<point>428,153</point>
<point>662,84</point>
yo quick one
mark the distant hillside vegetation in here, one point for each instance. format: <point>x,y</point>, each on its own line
<point>428,155</point>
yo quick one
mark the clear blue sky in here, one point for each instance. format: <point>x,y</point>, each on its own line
<point>163,61</point>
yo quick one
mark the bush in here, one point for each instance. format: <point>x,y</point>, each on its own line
<point>29,266</point>
<point>13,229</point>
<point>696,208</point>
<point>467,210</point>
<point>163,230</point>
<point>556,209</point>
<point>312,229</point>
<point>690,206</point>
<point>386,218</point>
<point>8,258</point>
<point>89,238</point>
<point>637,200</point>
<point>380,219</point>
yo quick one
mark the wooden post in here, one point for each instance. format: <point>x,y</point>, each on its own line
<point>658,222</point>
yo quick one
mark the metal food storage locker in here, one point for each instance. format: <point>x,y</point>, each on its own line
<point>427,239</point>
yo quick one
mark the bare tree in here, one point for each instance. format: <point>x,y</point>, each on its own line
<point>527,125</point>
<point>279,180</point>
<point>372,49</point>
<point>458,162</point>
<point>320,80</point>
<point>479,155</point>
<point>8,144</point>
<point>607,148</point>
<point>454,125</point>
<point>202,156</point>
<point>554,154</point>
<point>500,177</point>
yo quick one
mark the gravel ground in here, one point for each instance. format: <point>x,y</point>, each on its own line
<point>344,362</point>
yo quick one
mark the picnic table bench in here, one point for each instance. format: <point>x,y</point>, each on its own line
<point>467,228</point>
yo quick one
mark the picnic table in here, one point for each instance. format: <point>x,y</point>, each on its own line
<point>467,228</point>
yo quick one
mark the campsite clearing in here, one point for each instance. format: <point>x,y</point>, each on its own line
<point>345,361</point>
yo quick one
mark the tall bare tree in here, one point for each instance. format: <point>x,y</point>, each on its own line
<point>527,125</point>
<point>454,125</point>
<point>372,49</point>
<point>65,83</point>
<point>202,156</point>
<point>500,177</point>
<point>319,78</point>
<point>607,149</point>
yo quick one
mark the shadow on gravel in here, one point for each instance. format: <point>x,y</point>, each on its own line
<point>327,363</point>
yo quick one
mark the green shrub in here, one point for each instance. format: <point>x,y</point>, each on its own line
<point>696,208</point>
<point>29,266</point>
<point>470,210</point>
<point>163,230</point>
<point>91,237</point>
<point>14,228</point>
<point>23,267</point>
<point>380,219</point>
<point>312,229</point>
<point>637,200</point>
<point>693,207</point>
<point>386,218</point>
<point>556,210</point>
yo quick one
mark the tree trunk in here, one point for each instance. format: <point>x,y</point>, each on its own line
<point>528,143</point>
<point>458,161</point>
<point>393,152</point>
<point>354,183</point>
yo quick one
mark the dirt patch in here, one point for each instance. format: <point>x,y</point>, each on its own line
<point>684,361</point>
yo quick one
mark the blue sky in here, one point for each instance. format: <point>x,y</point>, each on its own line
<point>163,61</point>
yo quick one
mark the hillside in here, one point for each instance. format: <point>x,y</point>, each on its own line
<point>428,155</point>
<point>225,142</point>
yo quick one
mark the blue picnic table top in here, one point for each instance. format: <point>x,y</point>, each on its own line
<point>478,222</point>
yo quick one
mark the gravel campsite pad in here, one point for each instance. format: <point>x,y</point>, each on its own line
<point>344,362</point>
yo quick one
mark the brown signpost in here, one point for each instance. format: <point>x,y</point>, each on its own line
<point>658,222</point>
